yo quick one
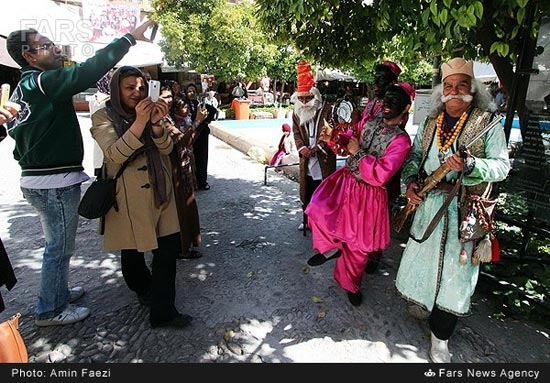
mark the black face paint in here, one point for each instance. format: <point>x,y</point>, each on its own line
<point>383,78</point>
<point>395,99</point>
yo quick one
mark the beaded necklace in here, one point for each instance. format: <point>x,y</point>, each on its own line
<point>450,136</point>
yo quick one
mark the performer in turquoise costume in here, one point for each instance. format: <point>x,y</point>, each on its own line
<point>438,275</point>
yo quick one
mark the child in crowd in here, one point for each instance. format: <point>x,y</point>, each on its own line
<point>286,146</point>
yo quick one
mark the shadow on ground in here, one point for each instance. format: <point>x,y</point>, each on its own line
<point>252,295</point>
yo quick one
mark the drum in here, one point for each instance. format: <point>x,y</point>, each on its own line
<point>340,135</point>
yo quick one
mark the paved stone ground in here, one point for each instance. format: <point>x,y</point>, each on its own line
<point>253,297</point>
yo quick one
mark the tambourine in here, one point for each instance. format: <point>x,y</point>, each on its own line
<point>340,135</point>
<point>344,111</point>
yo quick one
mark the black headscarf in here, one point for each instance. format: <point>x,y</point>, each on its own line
<point>123,119</point>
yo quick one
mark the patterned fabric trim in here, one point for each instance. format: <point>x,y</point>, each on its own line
<point>375,138</point>
<point>410,300</point>
<point>427,139</point>
<point>442,242</point>
<point>477,120</point>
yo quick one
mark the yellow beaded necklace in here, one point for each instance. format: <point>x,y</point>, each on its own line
<point>451,136</point>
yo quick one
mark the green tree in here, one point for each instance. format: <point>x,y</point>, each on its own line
<point>215,37</point>
<point>282,69</point>
<point>356,33</point>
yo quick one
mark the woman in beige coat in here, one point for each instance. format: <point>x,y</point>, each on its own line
<point>130,127</point>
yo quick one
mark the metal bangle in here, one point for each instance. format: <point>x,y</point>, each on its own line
<point>357,156</point>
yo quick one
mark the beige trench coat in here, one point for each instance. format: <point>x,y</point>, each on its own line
<point>138,223</point>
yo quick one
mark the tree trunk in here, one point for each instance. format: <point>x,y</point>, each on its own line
<point>275,90</point>
<point>436,71</point>
<point>523,69</point>
<point>515,84</point>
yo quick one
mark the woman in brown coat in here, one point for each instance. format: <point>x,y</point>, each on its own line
<point>183,132</point>
<point>131,127</point>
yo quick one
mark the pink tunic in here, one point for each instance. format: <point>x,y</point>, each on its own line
<point>353,215</point>
<point>357,212</point>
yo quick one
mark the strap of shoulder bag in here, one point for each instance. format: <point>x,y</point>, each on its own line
<point>125,163</point>
<point>122,167</point>
<point>440,212</point>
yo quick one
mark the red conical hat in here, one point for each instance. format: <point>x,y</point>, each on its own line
<point>305,78</point>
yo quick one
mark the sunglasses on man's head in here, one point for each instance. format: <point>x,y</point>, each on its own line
<point>44,46</point>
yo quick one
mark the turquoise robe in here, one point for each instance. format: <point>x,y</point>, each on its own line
<point>430,273</point>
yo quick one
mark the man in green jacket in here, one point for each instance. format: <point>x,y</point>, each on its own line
<point>49,149</point>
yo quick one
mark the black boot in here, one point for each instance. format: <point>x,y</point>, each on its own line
<point>318,259</point>
<point>355,298</point>
<point>373,261</point>
<point>372,266</point>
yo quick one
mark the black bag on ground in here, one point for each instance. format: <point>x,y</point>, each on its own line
<point>101,196</point>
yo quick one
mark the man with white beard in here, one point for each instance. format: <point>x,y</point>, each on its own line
<point>439,274</point>
<point>310,111</point>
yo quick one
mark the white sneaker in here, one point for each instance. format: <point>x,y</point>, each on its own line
<point>71,314</point>
<point>75,293</point>
<point>301,227</point>
<point>418,312</point>
<point>439,352</point>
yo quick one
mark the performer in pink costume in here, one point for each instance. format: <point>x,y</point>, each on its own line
<point>385,75</point>
<point>349,210</point>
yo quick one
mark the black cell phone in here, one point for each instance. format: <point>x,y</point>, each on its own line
<point>154,32</point>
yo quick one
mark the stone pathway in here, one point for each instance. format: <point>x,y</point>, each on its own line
<point>252,295</point>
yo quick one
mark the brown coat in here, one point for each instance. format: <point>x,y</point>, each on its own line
<point>184,186</point>
<point>138,223</point>
<point>327,161</point>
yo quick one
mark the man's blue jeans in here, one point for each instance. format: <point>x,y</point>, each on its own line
<point>58,210</point>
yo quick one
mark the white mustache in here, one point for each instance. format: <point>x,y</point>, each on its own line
<point>306,111</point>
<point>463,97</point>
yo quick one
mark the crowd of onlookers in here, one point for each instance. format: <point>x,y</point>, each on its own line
<point>158,150</point>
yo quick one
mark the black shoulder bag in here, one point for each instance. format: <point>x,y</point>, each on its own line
<point>100,196</point>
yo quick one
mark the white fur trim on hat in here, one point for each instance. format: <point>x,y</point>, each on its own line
<point>457,66</point>
<point>313,91</point>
